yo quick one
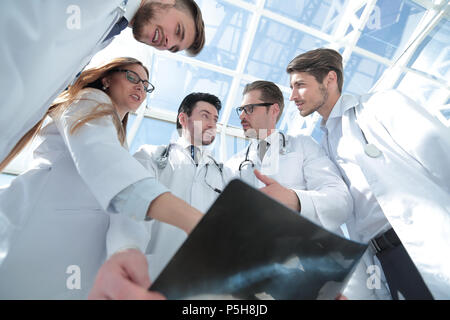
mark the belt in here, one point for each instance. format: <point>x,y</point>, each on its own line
<point>387,240</point>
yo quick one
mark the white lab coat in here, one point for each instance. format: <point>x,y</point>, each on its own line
<point>61,203</point>
<point>410,180</point>
<point>42,51</point>
<point>305,169</point>
<point>185,181</point>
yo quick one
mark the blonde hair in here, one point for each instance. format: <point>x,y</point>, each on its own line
<point>91,78</point>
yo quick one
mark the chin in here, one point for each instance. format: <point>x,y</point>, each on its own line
<point>207,142</point>
<point>305,113</point>
<point>250,133</point>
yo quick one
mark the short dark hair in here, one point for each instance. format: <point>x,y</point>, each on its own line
<point>319,63</point>
<point>193,9</point>
<point>189,102</point>
<point>269,93</point>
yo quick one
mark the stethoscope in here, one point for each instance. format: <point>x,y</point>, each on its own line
<point>370,149</point>
<point>162,161</point>
<point>248,162</point>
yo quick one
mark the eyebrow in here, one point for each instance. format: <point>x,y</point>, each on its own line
<point>298,82</point>
<point>209,113</point>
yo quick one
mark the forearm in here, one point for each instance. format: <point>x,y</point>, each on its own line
<point>172,210</point>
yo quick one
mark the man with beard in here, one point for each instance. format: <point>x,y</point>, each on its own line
<point>187,168</point>
<point>394,157</point>
<point>45,44</point>
<point>292,169</point>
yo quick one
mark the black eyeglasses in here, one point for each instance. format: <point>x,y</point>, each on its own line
<point>248,108</point>
<point>133,77</point>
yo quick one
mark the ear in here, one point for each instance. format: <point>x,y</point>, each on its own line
<point>106,82</point>
<point>331,77</point>
<point>182,118</point>
<point>276,110</point>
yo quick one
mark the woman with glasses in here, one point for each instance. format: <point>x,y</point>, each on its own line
<point>82,176</point>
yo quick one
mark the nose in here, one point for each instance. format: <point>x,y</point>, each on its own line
<point>169,43</point>
<point>139,87</point>
<point>242,115</point>
<point>293,95</point>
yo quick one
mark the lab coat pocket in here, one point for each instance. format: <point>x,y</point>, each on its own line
<point>289,171</point>
<point>79,211</point>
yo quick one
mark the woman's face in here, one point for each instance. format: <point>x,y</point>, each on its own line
<point>126,95</point>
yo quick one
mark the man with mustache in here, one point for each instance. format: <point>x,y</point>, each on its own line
<point>187,168</point>
<point>292,169</point>
<point>394,157</point>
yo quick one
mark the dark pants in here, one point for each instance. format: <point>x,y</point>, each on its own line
<point>402,275</point>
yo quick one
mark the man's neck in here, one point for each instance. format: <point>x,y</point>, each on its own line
<point>325,111</point>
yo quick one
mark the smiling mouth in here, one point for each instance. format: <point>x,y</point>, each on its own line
<point>136,97</point>
<point>157,38</point>
<point>208,134</point>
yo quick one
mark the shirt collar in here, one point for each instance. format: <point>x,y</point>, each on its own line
<point>270,139</point>
<point>183,143</point>
<point>344,103</point>
<point>131,9</point>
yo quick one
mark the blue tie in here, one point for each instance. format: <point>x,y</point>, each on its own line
<point>118,27</point>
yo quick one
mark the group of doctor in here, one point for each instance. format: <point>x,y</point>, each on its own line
<point>91,204</point>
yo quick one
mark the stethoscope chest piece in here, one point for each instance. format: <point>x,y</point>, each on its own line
<point>372,151</point>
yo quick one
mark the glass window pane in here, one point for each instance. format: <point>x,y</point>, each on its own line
<point>226,26</point>
<point>320,15</point>
<point>433,56</point>
<point>390,26</point>
<point>174,80</point>
<point>154,132</point>
<point>428,94</point>
<point>274,47</point>
<point>361,74</point>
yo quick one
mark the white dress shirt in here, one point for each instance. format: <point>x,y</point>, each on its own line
<point>368,219</point>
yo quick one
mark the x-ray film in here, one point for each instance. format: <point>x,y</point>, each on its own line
<point>249,246</point>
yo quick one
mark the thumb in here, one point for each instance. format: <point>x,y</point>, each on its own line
<point>264,179</point>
